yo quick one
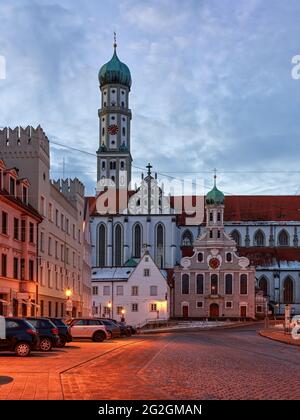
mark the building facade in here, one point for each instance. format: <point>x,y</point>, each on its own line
<point>214,282</point>
<point>61,264</point>
<point>139,294</point>
<point>265,229</point>
<point>19,223</point>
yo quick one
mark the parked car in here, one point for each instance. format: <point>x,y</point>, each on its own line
<point>63,331</point>
<point>88,328</point>
<point>124,329</point>
<point>112,328</point>
<point>19,336</point>
<point>47,332</point>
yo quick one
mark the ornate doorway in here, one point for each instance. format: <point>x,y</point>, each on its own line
<point>214,310</point>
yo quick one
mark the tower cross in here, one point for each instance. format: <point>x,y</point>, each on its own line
<point>149,167</point>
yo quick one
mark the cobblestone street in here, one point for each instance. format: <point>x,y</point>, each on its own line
<point>222,364</point>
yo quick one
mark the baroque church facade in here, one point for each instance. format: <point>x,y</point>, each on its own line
<point>265,229</point>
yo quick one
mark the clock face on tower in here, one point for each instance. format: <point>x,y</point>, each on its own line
<point>113,129</point>
<point>214,263</point>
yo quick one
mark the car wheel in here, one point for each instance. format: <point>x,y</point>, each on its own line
<point>98,336</point>
<point>45,344</point>
<point>62,342</point>
<point>109,335</point>
<point>22,349</point>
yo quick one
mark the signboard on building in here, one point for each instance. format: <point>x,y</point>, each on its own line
<point>69,305</point>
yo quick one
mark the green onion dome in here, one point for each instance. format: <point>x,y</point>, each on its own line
<point>115,72</point>
<point>215,196</point>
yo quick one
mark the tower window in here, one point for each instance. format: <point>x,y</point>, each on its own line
<point>123,119</point>
<point>104,104</point>
<point>219,216</point>
<point>211,216</point>
<point>122,164</point>
<point>219,234</point>
<point>123,93</point>
<point>103,131</point>
<point>113,103</point>
<point>103,164</point>
<point>123,131</point>
<point>112,117</point>
<point>122,104</point>
<point>113,91</point>
<point>210,233</point>
<point>105,93</point>
<point>113,142</point>
<point>103,119</point>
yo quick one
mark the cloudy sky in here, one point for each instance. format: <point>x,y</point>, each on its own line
<point>212,84</point>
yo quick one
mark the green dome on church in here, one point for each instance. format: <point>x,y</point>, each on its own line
<point>115,72</point>
<point>215,196</point>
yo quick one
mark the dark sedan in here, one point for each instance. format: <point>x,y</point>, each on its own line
<point>63,331</point>
<point>112,329</point>
<point>47,332</point>
<point>20,337</point>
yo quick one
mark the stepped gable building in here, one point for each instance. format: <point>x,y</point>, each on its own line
<point>264,228</point>
<point>61,232</point>
<point>18,245</point>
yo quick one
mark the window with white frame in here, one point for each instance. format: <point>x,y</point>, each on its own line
<point>146,272</point>
<point>199,304</point>
<point>153,290</point>
<point>95,290</point>
<point>134,307</point>
<point>134,291</point>
<point>228,304</point>
<point>106,290</point>
<point>120,290</point>
<point>153,307</point>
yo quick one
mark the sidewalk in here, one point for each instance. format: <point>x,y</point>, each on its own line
<point>279,336</point>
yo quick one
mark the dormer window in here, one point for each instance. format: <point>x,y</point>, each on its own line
<point>12,186</point>
<point>25,195</point>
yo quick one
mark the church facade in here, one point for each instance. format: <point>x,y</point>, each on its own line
<point>265,229</point>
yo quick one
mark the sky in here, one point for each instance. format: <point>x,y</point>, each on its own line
<point>212,85</point>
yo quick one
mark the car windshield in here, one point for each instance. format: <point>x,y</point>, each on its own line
<point>58,322</point>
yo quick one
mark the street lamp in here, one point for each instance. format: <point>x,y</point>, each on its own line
<point>69,305</point>
<point>123,315</point>
<point>109,307</point>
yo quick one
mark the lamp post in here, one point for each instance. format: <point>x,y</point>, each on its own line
<point>109,307</point>
<point>123,315</point>
<point>69,305</point>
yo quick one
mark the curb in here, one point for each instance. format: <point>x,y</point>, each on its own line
<point>280,340</point>
<point>198,329</point>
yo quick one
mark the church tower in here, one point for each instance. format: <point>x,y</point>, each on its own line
<point>113,156</point>
<point>215,214</point>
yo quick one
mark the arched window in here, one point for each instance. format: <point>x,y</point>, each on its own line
<point>160,245</point>
<point>214,284</point>
<point>200,284</point>
<point>102,245</point>
<point>259,238</point>
<point>263,285</point>
<point>288,290</point>
<point>243,284</point>
<point>283,238</point>
<point>187,238</point>
<point>137,241</point>
<point>235,234</point>
<point>118,243</point>
<point>123,131</point>
<point>185,284</point>
<point>228,284</point>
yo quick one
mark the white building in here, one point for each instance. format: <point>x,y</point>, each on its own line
<point>140,293</point>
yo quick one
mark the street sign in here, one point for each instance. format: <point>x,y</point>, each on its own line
<point>2,328</point>
<point>69,305</point>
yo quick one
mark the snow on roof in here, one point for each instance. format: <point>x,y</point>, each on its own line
<point>111,273</point>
